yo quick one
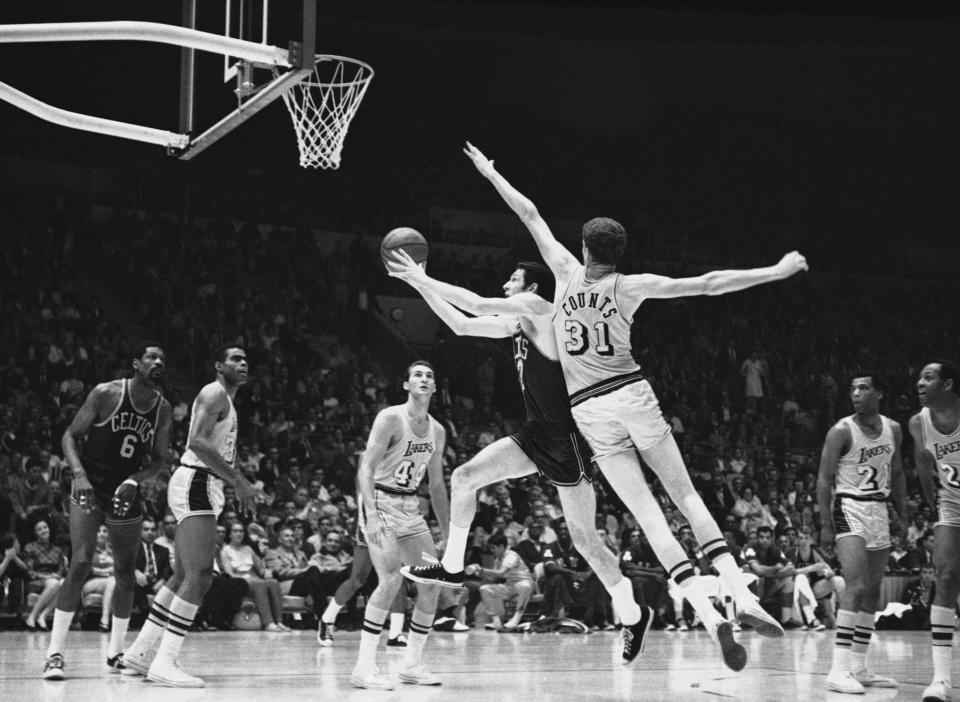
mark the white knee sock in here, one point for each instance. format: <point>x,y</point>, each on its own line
<point>58,632</point>
<point>181,617</point>
<point>456,547</point>
<point>396,624</point>
<point>156,622</point>
<point>941,632</point>
<point>330,613</point>
<point>118,632</point>
<point>420,625</point>
<point>693,592</point>
<point>623,603</point>
<point>373,619</point>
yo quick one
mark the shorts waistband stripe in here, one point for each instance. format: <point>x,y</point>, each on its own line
<point>393,490</point>
<point>605,387</point>
<point>863,498</point>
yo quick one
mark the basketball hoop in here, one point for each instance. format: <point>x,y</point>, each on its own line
<point>322,106</point>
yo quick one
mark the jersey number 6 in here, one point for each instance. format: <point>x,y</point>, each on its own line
<point>129,445</point>
<point>580,338</point>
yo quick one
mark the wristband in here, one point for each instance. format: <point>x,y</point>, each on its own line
<point>130,481</point>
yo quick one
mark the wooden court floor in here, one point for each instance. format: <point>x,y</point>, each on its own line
<point>474,666</point>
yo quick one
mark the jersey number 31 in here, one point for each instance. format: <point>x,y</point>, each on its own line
<point>579,340</point>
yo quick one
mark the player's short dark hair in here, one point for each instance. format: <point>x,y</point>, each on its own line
<point>949,370</point>
<point>406,374</point>
<point>878,381</point>
<point>764,530</point>
<point>141,349</point>
<point>220,353</point>
<point>605,239</point>
<point>7,540</point>
<point>538,273</point>
<point>497,540</point>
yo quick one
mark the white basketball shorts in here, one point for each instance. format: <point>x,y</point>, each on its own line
<point>622,420</point>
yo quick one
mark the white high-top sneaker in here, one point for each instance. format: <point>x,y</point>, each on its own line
<point>137,659</point>
<point>170,674</point>
<point>937,691</point>
<point>371,681</point>
<point>843,681</point>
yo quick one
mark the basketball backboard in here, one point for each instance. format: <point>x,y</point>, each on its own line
<point>237,57</point>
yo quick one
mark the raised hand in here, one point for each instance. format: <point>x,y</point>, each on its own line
<point>483,164</point>
<point>792,263</point>
<point>402,266</point>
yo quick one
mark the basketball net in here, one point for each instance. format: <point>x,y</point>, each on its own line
<point>322,106</point>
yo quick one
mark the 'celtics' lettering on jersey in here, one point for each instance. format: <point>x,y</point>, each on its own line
<point>223,437</point>
<point>593,332</point>
<point>945,449</point>
<point>405,463</point>
<point>120,444</point>
<point>864,470</point>
<point>541,381</point>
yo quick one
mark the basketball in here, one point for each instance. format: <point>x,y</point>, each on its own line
<point>406,238</point>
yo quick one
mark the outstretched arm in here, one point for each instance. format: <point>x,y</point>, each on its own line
<point>647,285</point>
<point>554,253</point>
<point>403,267</point>
<point>490,326</point>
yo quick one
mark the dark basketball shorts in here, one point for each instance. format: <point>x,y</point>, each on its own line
<point>560,453</point>
<point>103,489</point>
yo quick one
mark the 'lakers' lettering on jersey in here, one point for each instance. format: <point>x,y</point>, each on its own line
<point>945,449</point>
<point>120,444</point>
<point>224,438</point>
<point>405,463</point>
<point>541,381</point>
<point>593,333</point>
<point>864,470</point>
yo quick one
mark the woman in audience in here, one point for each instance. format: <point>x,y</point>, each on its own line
<point>12,566</point>
<point>101,580</point>
<point>241,561</point>
<point>46,566</point>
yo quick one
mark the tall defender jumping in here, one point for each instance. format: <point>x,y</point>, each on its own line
<point>615,407</point>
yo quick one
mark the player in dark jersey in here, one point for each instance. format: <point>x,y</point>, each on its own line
<point>124,428</point>
<point>548,442</point>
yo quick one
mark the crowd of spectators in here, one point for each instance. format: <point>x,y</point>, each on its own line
<point>750,384</point>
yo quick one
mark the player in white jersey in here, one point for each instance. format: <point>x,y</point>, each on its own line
<point>936,440</point>
<point>613,404</point>
<point>860,469</point>
<point>405,445</point>
<point>195,496</point>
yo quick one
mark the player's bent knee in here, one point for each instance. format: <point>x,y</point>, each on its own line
<point>466,477</point>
